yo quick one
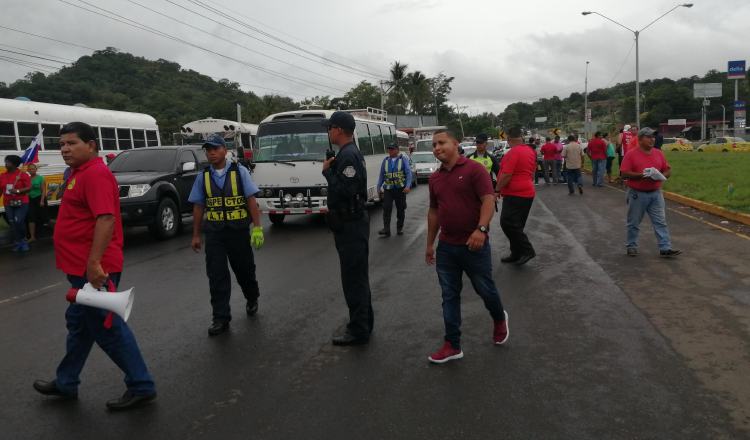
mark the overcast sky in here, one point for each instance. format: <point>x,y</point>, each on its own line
<point>500,51</point>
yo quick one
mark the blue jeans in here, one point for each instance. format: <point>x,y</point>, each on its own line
<point>16,216</point>
<point>86,326</point>
<point>574,178</point>
<point>597,171</point>
<point>451,262</point>
<point>651,203</point>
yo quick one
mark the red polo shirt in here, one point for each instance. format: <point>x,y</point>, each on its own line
<point>457,196</point>
<point>520,161</point>
<point>549,151</point>
<point>91,191</point>
<point>597,149</point>
<point>636,160</point>
<point>8,183</point>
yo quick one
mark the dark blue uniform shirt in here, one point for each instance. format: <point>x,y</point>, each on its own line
<point>347,179</point>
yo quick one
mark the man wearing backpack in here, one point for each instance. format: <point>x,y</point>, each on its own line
<point>394,183</point>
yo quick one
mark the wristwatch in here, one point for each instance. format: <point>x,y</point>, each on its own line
<point>483,228</point>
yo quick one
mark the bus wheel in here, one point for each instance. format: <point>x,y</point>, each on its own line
<point>167,221</point>
<point>277,219</point>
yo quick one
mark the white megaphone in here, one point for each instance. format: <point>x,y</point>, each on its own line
<point>117,302</point>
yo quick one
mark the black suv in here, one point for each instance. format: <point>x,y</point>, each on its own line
<point>155,183</point>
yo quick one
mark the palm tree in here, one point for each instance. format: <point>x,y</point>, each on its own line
<point>397,83</point>
<point>418,91</point>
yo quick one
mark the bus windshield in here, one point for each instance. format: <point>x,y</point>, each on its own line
<point>291,141</point>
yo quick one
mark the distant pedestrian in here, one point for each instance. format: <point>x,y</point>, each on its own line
<point>394,183</point>
<point>658,140</point>
<point>487,160</point>
<point>645,169</point>
<point>618,144</point>
<point>88,249</point>
<point>558,159</point>
<point>462,202</point>
<point>540,163</point>
<point>573,154</point>
<point>517,191</point>
<point>37,201</point>
<point>549,165</point>
<point>597,152</point>
<point>611,154</point>
<point>16,185</point>
<point>225,192</point>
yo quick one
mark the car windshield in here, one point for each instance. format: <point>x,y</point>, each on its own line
<point>291,141</point>
<point>144,160</point>
<point>423,158</point>
<point>424,145</point>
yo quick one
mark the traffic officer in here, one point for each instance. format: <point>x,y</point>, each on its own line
<point>490,162</point>
<point>394,183</point>
<point>348,219</point>
<point>225,192</point>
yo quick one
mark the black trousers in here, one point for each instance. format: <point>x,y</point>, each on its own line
<point>513,220</point>
<point>232,245</point>
<point>352,244</point>
<point>391,196</point>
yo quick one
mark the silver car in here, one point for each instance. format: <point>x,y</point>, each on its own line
<point>425,164</point>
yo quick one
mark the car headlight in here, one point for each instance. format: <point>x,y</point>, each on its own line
<point>299,197</point>
<point>268,192</point>
<point>138,190</point>
<point>288,198</point>
<point>323,191</point>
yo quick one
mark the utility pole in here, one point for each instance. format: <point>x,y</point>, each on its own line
<point>460,121</point>
<point>586,103</point>
<point>238,133</point>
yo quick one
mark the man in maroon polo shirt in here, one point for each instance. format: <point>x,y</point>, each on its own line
<point>462,202</point>
<point>517,190</point>
<point>88,249</point>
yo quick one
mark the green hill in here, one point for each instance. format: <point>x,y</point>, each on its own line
<point>120,81</point>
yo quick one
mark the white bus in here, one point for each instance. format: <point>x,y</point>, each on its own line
<point>198,130</point>
<point>22,120</point>
<point>289,154</point>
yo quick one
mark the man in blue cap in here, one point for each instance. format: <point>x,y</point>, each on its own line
<point>225,192</point>
<point>348,219</point>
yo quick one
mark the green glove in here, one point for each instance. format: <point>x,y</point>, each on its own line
<point>256,237</point>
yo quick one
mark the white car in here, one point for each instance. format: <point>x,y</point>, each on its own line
<point>425,164</point>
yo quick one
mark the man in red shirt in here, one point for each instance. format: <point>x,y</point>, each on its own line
<point>549,155</point>
<point>597,152</point>
<point>646,168</point>
<point>461,206</point>
<point>15,185</point>
<point>88,248</point>
<point>517,190</point>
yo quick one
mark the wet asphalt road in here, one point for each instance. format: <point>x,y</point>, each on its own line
<point>601,345</point>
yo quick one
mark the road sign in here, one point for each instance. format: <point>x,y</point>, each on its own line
<point>540,119</point>
<point>736,70</point>
<point>555,131</point>
<point>707,90</point>
<point>739,105</point>
<point>677,122</point>
<point>588,115</point>
<point>501,135</point>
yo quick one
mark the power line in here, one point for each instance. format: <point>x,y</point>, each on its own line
<point>341,66</point>
<point>37,53</point>
<point>294,37</point>
<point>29,64</point>
<point>621,65</point>
<point>235,43</point>
<point>46,38</point>
<point>137,25</point>
<point>32,56</point>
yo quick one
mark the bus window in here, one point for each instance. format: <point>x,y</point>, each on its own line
<point>51,136</point>
<point>151,139</point>
<point>378,147</point>
<point>139,139</point>
<point>389,137</point>
<point>123,138</point>
<point>109,142</point>
<point>363,139</point>
<point>27,131</point>
<point>7,135</point>
<point>246,142</point>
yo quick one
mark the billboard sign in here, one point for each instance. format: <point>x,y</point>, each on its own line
<point>707,90</point>
<point>677,122</point>
<point>540,119</point>
<point>739,105</point>
<point>736,70</point>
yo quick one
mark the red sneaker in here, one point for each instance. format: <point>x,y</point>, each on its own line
<point>445,354</point>
<point>501,332</point>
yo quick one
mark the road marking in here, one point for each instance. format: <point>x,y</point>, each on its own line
<point>692,217</point>
<point>33,292</point>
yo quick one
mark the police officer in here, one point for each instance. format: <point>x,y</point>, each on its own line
<point>348,219</point>
<point>490,163</point>
<point>226,193</point>
<point>394,183</point>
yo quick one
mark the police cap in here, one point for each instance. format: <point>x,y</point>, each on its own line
<point>340,119</point>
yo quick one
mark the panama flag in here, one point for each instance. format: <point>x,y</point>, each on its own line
<point>31,155</point>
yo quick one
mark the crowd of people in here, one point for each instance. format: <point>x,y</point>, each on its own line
<point>24,200</point>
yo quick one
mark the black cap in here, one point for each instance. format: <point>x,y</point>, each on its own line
<point>481,138</point>
<point>393,145</point>
<point>340,119</point>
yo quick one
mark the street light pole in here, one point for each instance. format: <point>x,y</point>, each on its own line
<point>723,120</point>
<point>586,103</point>
<point>637,33</point>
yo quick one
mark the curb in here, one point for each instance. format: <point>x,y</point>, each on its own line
<point>709,208</point>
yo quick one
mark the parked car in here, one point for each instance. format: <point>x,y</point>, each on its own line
<point>155,183</point>
<point>677,144</point>
<point>425,163</point>
<point>725,144</point>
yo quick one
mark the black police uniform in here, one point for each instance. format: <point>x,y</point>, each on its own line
<point>348,219</point>
<point>227,237</point>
